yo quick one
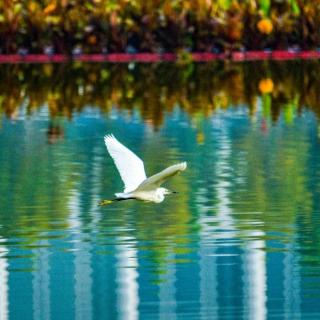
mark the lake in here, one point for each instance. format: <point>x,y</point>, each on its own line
<point>240,240</point>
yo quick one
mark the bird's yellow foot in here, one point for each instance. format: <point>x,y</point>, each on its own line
<point>105,202</point>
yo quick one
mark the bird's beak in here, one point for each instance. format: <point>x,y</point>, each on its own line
<point>174,192</point>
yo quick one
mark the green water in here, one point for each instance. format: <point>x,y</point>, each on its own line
<point>239,241</point>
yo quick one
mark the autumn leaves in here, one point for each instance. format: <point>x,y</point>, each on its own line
<point>104,26</point>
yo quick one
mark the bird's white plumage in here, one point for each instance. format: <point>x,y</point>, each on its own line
<point>129,165</point>
<point>131,169</point>
<point>156,180</point>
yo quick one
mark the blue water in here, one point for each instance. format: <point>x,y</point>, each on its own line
<point>239,241</point>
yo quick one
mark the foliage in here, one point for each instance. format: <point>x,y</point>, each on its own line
<point>69,26</point>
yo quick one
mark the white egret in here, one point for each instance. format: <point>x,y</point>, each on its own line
<point>136,184</point>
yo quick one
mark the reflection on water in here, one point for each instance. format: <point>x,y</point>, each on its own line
<point>153,90</point>
<point>240,240</point>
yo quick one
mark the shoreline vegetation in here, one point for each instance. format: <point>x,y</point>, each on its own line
<point>73,28</point>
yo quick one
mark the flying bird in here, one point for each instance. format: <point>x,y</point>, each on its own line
<point>136,184</point>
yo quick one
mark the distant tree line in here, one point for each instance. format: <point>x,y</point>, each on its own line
<point>102,26</point>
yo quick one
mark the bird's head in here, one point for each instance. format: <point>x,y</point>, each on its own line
<point>166,191</point>
<point>162,192</point>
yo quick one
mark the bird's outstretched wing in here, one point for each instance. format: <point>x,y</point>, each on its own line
<point>129,165</point>
<point>156,180</point>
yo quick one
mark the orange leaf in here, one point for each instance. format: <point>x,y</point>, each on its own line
<point>265,26</point>
<point>50,8</point>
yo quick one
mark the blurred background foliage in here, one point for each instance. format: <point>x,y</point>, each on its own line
<point>152,90</point>
<point>95,26</point>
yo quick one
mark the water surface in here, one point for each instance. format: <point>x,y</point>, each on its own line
<point>239,241</point>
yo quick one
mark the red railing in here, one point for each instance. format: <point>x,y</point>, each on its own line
<point>154,57</point>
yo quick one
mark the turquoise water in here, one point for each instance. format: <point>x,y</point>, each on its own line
<point>239,241</point>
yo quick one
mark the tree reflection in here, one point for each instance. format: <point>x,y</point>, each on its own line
<point>153,90</point>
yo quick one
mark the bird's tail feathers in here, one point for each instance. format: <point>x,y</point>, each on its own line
<point>122,195</point>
